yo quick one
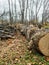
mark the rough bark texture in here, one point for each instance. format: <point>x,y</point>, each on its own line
<point>40,43</point>
<point>7,31</point>
<point>38,38</point>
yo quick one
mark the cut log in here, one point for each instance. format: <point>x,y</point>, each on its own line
<point>40,42</point>
<point>44,45</point>
<point>36,38</point>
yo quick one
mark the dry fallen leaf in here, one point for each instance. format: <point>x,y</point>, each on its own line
<point>47,58</point>
<point>43,64</point>
<point>40,63</point>
<point>34,63</point>
<point>16,59</point>
<point>35,57</point>
<point>29,63</point>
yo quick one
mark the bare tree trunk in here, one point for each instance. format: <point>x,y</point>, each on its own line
<point>29,14</point>
<point>15,11</point>
<point>42,18</point>
<point>45,11</point>
<point>10,12</point>
<point>23,8</point>
<point>26,10</point>
<point>36,12</point>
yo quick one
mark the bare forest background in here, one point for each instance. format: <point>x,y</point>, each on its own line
<point>26,11</point>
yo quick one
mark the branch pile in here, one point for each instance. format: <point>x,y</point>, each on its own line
<point>6,31</point>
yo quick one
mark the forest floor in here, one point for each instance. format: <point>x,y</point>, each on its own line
<point>15,52</point>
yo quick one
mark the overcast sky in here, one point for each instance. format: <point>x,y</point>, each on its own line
<point>4,5</point>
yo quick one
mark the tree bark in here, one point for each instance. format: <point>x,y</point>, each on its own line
<point>40,43</point>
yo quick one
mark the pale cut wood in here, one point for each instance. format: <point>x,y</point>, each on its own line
<point>44,45</point>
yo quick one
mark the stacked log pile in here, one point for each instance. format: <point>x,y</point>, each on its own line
<point>6,31</point>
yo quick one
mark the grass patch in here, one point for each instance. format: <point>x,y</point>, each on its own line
<point>34,58</point>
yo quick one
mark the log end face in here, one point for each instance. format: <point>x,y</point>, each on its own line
<point>44,45</point>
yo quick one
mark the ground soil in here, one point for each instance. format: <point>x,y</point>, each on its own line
<point>15,52</point>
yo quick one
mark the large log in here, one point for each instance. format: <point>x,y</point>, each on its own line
<point>26,30</point>
<point>40,42</point>
<point>31,31</point>
<point>35,38</point>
